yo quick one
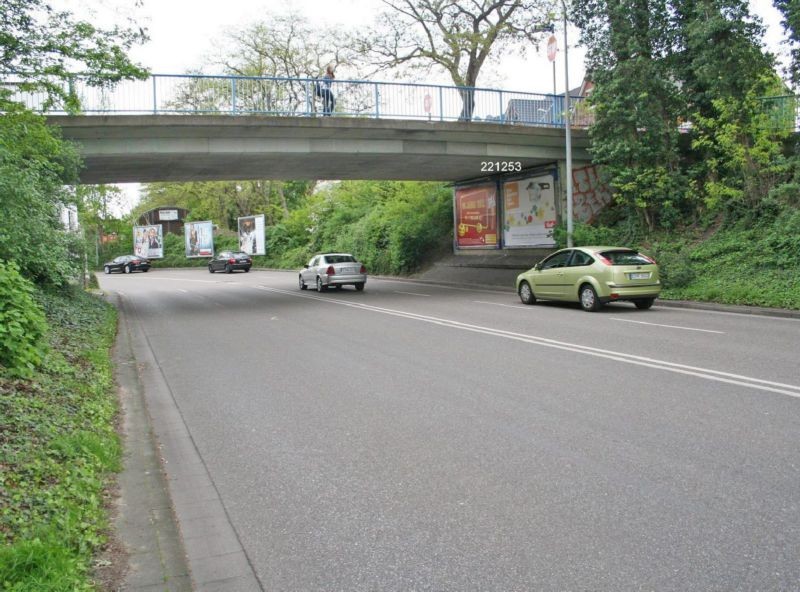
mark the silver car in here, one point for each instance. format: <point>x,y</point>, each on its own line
<point>333,269</point>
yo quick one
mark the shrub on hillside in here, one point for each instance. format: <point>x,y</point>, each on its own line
<point>22,323</point>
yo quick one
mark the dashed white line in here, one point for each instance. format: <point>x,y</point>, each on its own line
<point>412,294</point>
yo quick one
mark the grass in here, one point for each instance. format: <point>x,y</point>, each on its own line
<point>58,450</point>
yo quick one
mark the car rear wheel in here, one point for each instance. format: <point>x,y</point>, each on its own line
<point>107,269</point>
<point>526,294</point>
<point>360,286</point>
<point>644,303</point>
<point>127,269</point>
<point>246,269</point>
<point>320,287</point>
<point>589,300</point>
<point>210,269</point>
<point>301,282</point>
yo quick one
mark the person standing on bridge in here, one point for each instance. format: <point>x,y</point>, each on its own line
<point>328,100</point>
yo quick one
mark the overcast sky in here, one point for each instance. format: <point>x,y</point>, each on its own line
<point>182,35</point>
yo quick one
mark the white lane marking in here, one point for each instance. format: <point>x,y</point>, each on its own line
<point>413,294</point>
<point>498,304</point>
<point>182,290</point>
<point>705,373</point>
<point>667,326</point>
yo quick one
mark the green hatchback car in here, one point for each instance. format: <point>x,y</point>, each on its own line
<point>592,276</point>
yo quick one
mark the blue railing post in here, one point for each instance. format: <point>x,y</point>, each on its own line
<point>441,104</point>
<point>502,113</point>
<point>307,86</point>
<point>377,102</point>
<point>233,95</point>
<point>155,97</point>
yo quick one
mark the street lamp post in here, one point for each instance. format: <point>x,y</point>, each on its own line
<point>568,131</point>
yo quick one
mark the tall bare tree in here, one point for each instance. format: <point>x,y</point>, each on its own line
<point>457,36</point>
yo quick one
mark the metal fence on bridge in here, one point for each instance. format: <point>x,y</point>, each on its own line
<point>244,95</point>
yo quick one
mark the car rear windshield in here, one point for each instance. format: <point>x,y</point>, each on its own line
<point>626,258</point>
<point>339,258</point>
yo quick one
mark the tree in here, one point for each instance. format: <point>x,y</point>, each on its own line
<point>790,9</point>
<point>458,37</point>
<point>637,104</point>
<point>41,48</point>
<point>657,63</point>
<point>38,46</point>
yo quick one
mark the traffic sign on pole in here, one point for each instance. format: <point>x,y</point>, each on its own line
<point>552,48</point>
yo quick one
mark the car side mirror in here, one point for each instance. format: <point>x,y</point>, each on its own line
<point>537,267</point>
<point>305,266</point>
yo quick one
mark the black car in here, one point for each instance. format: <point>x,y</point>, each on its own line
<point>127,264</point>
<point>229,261</point>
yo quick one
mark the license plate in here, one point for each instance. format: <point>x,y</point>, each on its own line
<point>640,276</point>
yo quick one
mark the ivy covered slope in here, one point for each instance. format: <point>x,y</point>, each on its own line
<point>58,445</point>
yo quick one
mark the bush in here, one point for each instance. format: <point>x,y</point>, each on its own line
<point>22,323</point>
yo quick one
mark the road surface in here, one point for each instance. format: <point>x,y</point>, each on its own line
<point>424,437</point>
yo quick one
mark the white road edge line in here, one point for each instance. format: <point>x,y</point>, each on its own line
<point>706,373</point>
<point>413,294</point>
<point>667,326</point>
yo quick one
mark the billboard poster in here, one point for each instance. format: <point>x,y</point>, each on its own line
<point>476,216</point>
<point>529,212</point>
<point>148,241</point>
<point>251,235</point>
<point>199,238</point>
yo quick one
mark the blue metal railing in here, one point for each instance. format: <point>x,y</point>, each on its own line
<point>275,96</point>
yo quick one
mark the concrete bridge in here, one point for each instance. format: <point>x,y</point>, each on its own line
<point>148,148</point>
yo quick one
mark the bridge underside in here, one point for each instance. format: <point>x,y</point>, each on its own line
<point>149,148</point>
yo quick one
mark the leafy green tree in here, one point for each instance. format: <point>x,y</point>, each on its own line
<point>35,165</point>
<point>790,9</point>
<point>637,104</point>
<point>42,48</point>
<point>657,63</point>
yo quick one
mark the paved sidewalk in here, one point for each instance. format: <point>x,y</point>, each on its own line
<point>145,522</point>
<point>172,522</point>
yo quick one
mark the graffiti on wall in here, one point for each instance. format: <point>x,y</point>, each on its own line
<point>589,194</point>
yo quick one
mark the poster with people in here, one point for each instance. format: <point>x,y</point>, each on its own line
<point>476,216</point>
<point>529,212</point>
<point>148,241</point>
<point>251,235</point>
<point>199,239</point>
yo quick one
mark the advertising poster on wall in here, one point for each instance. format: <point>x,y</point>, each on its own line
<point>529,212</point>
<point>251,235</point>
<point>148,241</point>
<point>199,238</point>
<point>476,216</point>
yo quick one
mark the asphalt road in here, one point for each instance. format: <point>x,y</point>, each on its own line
<point>423,437</point>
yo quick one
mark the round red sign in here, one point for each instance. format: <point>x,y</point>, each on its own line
<point>552,48</point>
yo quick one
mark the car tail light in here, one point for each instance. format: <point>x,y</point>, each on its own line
<point>330,270</point>
<point>604,260</point>
<point>362,270</point>
<point>650,259</point>
<point>231,260</point>
<point>614,296</point>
